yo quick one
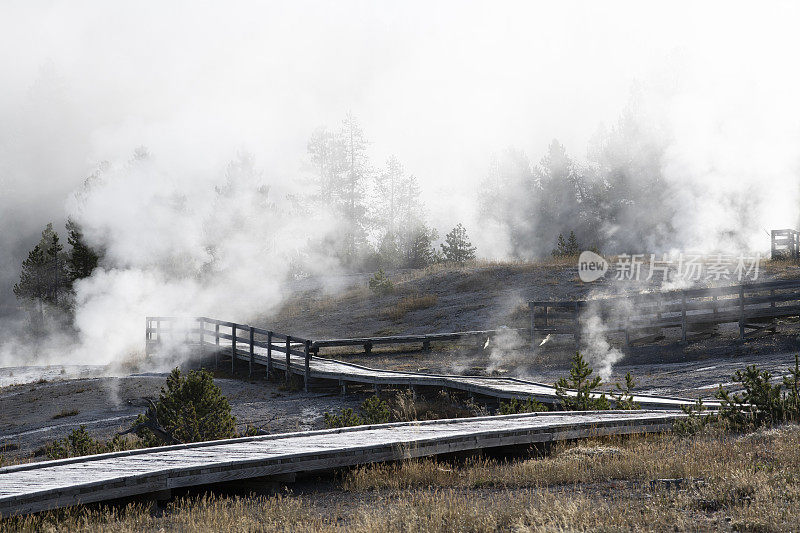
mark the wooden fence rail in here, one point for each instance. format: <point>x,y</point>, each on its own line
<point>160,331</point>
<point>369,342</point>
<point>643,317</point>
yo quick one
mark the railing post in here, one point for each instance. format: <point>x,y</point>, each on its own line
<point>252,351</point>
<point>147,336</point>
<point>201,323</point>
<point>288,356</point>
<point>533,327</point>
<point>795,245</point>
<point>306,375</point>
<point>773,248</point>
<point>158,332</point>
<point>269,354</point>
<point>216,344</point>
<point>233,349</point>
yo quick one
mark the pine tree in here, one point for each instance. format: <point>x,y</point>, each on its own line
<point>32,286</point>
<point>561,247</point>
<point>190,409</point>
<point>419,251</point>
<point>43,280</point>
<point>389,183</point>
<point>457,247</point>
<point>389,251</point>
<point>573,248</point>
<point>351,187</point>
<point>579,380</point>
<point>326,157</point>
<point>82,259</point>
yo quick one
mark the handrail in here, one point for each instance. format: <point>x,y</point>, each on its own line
<point>745,303</point>
<point>245,336</point>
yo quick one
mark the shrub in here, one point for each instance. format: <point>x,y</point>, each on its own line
<point>190,409</point>
<point>584,399</point>
<point>372,411</point>
<point>514,407</point>
<point>380,284</point>
<point>624,400</point>
<point>65,413</point>
<point>792,384</point>
<point>79,442</point>
<point>761,403</point>
<point>695,422</point>
<point>346,418</point>
<point>375,411</point>
<point>403,407</point>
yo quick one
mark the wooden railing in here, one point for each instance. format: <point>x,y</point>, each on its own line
<point>157,334</point>
<point>245,338</point>
<point>753,306</point>
<point>785,244</point>
<point>369,342</point>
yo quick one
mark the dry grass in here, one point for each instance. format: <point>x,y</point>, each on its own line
<point>781,268</point>
<point>411,303</point>
<point>642,458</point>
<point>66,413</point>
<point>726,482</point>
<point>405,408</point>
<point>483,265</point>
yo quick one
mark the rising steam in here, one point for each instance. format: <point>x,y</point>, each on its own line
<point>190,227</point>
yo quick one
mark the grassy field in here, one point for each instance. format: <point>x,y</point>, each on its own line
<point>660,482</point>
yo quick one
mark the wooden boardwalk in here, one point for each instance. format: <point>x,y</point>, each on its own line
<point>320,368</point>
<point>277,352</point>
<point>54,484</point>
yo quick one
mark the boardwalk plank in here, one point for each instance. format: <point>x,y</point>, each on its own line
<point>52,484</point>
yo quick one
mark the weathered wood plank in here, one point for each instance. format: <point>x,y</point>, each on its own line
<point>53,484</point>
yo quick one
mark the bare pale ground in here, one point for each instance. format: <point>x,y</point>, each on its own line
<point>32,415</point>
<point>712,481</point>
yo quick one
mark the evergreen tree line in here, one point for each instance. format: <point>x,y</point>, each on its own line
<point>617,201</point>
<point>382,222</point>
<point>48,274</point>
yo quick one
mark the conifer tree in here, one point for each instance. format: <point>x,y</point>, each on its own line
<point>583,385</point>
<point>190,409</point>
<point>457,247</point>
<point>43,280</point>
<point>82,259</point>
<point>419,252</point>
